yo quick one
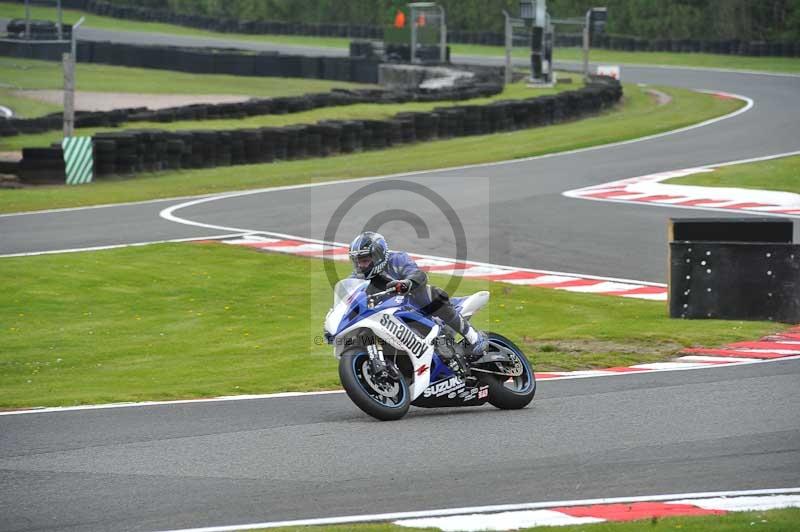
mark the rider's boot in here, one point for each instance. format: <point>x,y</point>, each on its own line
<point>477,342</point>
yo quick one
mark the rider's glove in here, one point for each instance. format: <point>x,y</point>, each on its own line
<point>401,286</point>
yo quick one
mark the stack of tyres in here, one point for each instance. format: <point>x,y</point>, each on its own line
<point>520,113</point>
<point>274,143</point>
<point>7,128</point>
<point>290,66</point>
<point>352,136</point>
<point>331,133</point>
<point>474,123</point>
<point>175,150</point>
<point>313,138</point>
<point>394,132</point>
<point>268,149</point>
<point>280,106</point>
<point>154,144</point>
<point>451,122</point>
<point>376,134</point>
<point>224,153</point>
<point>204,149</point>
<point>267,64</point>
<point>296,146</point>
<point>251,144</point>
<point>547,110</point>
<point>42,165</point>
<point>126,153</point>
<point>593,98</point>
<point>188,112</point>
<point>298,104</point>
<point>572,103</point>
<point>104,156</point>
<point>497,117</point>
<point>184,156</point>
<point>426,125</point>
<point>311,67</point>
<point>408,132</point>
<point>238,151</point>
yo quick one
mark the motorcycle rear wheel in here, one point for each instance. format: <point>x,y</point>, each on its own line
<point>511,393</point>
<point>386,400</point>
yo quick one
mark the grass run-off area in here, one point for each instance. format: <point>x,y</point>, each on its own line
<point>774,174</point>
<point>275,86</point>
<point>188,320</point>
<point>761,521</point>
<point>638,116</point>
<point>770,64</point>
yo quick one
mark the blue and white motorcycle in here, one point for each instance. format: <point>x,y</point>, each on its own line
<point>392,356</point>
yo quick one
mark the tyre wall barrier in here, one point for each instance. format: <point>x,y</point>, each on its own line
<point>738,269</point>
<point>39,29</point>
<point>134,151</point>
<point>606,41</point>
<point>42,166</point>
<point>254,107</point>
<point>203,60</point>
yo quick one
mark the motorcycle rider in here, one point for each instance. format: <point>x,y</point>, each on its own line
<point>386,269</point>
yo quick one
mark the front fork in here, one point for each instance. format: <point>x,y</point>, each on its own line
<point>378,365</point>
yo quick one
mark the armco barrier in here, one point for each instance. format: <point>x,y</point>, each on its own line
<point>132,151</point>
<point>454,35</point>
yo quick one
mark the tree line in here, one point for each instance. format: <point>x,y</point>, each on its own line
<point>653,19</point>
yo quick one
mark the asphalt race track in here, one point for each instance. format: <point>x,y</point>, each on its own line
<point>194,465</point>
<point>178,466</point>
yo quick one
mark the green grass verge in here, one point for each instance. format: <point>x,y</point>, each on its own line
<point>764,521</point>
<point>776,174</point>
<point>26,107</point>
<point>176,321</point>
<point>348,112</point>
<point>639,116</point>
<point>767,64</point>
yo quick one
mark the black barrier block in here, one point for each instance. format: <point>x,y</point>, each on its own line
<point>732,230</point>
<point>728,268</point>
<point>731,280</point>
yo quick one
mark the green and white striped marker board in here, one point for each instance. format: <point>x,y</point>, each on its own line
<point>78,158</point>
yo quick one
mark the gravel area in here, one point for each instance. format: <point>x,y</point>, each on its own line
<point>107,101</point>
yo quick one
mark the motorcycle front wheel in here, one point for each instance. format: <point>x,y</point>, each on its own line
<point>382,397</point>
<point>511,393</point>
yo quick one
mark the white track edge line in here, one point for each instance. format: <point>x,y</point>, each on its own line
<point>117,246</point>
<point>750,103</point>
<point>282,395</point>
<point>488,509</point>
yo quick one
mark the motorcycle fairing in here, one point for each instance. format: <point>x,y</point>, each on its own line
<point>352,313</point>
<point>421,362</point>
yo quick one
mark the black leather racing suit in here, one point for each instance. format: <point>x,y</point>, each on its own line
<point>430,299</point>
